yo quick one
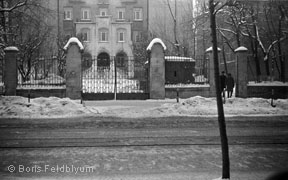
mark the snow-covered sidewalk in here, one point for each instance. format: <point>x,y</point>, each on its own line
<point>53,107</point>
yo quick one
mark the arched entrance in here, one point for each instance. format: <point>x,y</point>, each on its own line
<point>122,60</point>
<point>103,60</point>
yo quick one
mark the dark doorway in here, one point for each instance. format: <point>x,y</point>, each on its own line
<point>103,61</point>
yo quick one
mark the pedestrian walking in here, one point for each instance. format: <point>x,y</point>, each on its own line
<point>222,83</point>
<point>229,85</point>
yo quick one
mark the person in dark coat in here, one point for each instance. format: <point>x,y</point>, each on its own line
<point>230,85</point>
<point>223,83</point>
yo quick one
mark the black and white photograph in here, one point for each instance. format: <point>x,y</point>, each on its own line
<point>143,89</point>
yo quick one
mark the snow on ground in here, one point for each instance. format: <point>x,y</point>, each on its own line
<point>201,106</point>
<point>12,106</point>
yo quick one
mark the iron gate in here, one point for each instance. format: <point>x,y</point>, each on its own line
<point>118,77</point>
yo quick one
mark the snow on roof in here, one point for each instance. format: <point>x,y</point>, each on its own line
<point>178,58</point>
<point>210,49</point>
<point>267,83</point>
<point>11,48</point>
<point>154,41</point>
<point>241,48</point>
<point>74,40</point>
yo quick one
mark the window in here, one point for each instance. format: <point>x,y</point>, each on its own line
<point>85,14</point>
<point>103,12</point>
<point>121,14</point>
<point>103,35</point>
<point>138,14</point>
<point>121,33</point>
<point>68,14</point>
<point>121,36</point>
<point>85,35</point>
<point>137,36</point>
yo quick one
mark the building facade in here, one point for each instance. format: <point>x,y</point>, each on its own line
<point>106,27</point>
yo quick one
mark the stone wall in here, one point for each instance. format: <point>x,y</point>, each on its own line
<point>187,92</point>
<point>280,92</point>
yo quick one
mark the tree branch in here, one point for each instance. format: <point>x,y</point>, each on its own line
<point>17,5</point>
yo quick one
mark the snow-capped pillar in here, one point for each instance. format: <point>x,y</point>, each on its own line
<point>74,50</point>
<point>10,70</point>
<point>241,78</point>
<point>211,72</point>
<point>156,49</point>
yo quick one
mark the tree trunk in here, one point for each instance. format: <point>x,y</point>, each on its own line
<point>221,117</point>
<point>267,64</point>
<point>224,56</point>
<point>281,59</point>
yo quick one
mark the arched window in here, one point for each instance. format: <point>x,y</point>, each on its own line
<point>103,60</point>
<point>103,35</point>
<point>121,35</point>
<point>121,59</point>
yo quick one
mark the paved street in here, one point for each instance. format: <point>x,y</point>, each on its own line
<point>159,148</point>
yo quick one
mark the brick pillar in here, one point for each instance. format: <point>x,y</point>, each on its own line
<point>211,72</point>
<point>73,68</point>
<point>241,78</point>
<point>157,72</point>
<point>10,71</point>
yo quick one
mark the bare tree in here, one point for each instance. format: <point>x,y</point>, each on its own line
<point>213,10</point>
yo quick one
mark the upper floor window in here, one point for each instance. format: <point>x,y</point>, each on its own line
<point>85,13</point>
<point>103,35</point>
<point>121,35</point>
<point>68,14</point>
<point>103,12</point>
<point>138,14</point>
<point>121,14</point>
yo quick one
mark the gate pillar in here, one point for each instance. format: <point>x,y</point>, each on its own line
<point>156,49</point>
<point>211,72</point>
<point>10,71</point>
<point>241,72</point>
<point>74,50</point>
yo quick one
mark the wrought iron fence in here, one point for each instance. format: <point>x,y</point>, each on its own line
<point>114,75</point>
<point>201,71</point>
<point>43,72</point>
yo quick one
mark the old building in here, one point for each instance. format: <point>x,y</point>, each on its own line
<point>106,27</point>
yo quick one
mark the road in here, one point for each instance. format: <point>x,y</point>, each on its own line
<point>151,148</point>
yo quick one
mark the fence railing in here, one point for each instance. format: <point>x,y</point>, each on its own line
<point>114,75</point>
<point>46,72</point>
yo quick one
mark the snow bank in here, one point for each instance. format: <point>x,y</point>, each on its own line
<point>53,107</point>
<point>200,106</point>
<point>12,106</point>
<point>154,41</point>
<point>50,79</point>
